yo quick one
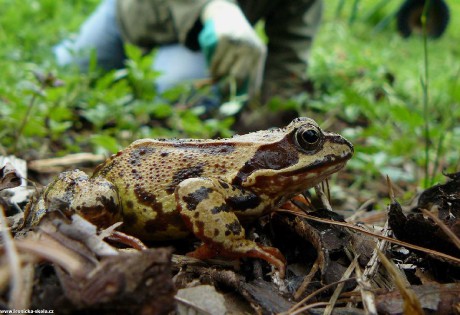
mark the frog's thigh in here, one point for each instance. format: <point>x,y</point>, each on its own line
<point>204,209</point>
<point>207,207</point>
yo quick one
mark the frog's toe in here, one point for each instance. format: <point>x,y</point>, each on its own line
<point>271,255</point>
<point>274,252</point>
<point>203,252</point>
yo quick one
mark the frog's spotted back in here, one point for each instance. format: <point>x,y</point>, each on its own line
<point>167,189</point>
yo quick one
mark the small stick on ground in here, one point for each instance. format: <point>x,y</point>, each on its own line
<point>17,300</point>
<point>411,303</point>
<point>373,264</point>
<point>58,164</point>
<point>322,196</point>
<point>362,209</point>
<point>367,296</point>
<point>297,307</point>
<point>346,275</point>
<point>306,281</point>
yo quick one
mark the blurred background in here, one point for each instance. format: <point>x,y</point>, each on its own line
<point>395,97</point>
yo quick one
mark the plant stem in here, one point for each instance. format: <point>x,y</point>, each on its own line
<point>425,86</point>
<point>26,116</point>
<point>354,12</point>
<point>437,157</point>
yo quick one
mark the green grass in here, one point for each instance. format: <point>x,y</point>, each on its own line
<point>84,113</point>
<point>372,80</point>
<point>367,86</point>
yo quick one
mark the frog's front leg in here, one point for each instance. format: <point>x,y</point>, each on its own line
<point>208,207</point>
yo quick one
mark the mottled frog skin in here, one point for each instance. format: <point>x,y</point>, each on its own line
<point>170,189</point>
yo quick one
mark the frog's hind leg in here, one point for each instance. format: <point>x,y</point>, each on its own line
<point>206,210</point>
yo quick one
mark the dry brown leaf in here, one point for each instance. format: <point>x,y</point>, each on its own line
<point>411,305</point>
<point>434,298</point>
<point>9,177</point>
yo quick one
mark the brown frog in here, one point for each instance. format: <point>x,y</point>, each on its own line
<point>170,189</point>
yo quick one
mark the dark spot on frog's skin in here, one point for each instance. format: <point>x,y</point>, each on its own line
<point>164,154</point>
<point>196,215</point>
<point>223,184</point>
<point>72,179</point>
<point>140,153</point>
<point>163,220</point>
<point>147,198</point>
<point>273,156</point>
<point>108,203</point>
<point>183,174</point>
<point>129,219</point>
<point>102,214</point>
<point>224,207</point>
<point>129,204</point>
<point>205,148</point>
<point>193,199</point>
<point>216,232</point>
<point>200,226</point>
<point>134,162</point>
<point>143,151</point>
<point>243,202</point>
<point>233,228</point>
<point>104,168</point>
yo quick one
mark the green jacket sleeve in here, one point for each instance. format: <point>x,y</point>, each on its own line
<point>290,29</point>
<point>148,23</point>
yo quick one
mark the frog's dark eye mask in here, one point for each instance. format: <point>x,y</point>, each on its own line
<point>308,139</point>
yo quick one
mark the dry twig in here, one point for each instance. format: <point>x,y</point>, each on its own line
<point>367,296</point>
<point>297,307</point>
<point>373,264</point>
<point>335,295</point>
<point>322,196</point>
<point>56,165</point>
<point>16,281</point>
<point>430,252</point>
<point>411,302</point>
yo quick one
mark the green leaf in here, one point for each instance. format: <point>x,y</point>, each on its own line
<point>230,108</point>
<point>104,142</point>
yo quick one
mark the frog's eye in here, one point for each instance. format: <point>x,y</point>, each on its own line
<point>308,138</point>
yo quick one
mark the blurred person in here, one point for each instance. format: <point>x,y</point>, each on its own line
<point>199,39</point>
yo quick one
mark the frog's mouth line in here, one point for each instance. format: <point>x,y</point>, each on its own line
<point>317,171</point>
<point>333,162</point>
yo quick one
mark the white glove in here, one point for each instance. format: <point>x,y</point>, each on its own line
<point>231,45</point>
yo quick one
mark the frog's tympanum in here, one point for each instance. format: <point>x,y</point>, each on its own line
<point>170,189</point>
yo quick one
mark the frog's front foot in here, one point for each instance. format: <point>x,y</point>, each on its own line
<point>204,208</point>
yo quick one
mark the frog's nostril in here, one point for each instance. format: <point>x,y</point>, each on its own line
<point>352,149</point>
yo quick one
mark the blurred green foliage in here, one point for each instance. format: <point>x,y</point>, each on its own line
<point>366,85</point>
<point>74,111</point>
<point>370,77</point>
